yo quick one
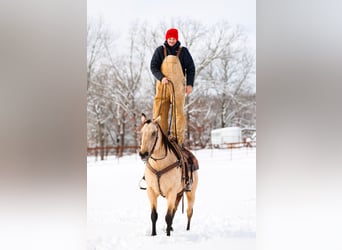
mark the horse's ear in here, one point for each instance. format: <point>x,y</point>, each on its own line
<point>143,118</point>
<point>157,120</point>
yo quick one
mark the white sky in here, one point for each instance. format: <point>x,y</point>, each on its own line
<point>120,14</point>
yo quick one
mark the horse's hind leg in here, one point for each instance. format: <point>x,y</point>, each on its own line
<point>189,214</point>
<point>189,211</point>
<point>179,197</point>
<point>191,199</point>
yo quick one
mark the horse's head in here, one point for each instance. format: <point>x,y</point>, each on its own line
<point>149,136</point>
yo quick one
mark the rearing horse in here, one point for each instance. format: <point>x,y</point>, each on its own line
<point>163,173</point>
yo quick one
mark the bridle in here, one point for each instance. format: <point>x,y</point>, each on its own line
<point>154,145</point>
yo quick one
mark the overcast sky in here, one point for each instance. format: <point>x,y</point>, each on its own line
<point>120,14</point>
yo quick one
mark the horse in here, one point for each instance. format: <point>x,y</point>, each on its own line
<point>164,173</point>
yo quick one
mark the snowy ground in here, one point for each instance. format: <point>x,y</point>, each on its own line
<point>224,211</point>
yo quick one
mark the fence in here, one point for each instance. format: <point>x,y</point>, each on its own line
<point>121,150</point>
<point>111,150</point>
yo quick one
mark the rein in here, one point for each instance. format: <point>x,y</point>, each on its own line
<point>157,159</point>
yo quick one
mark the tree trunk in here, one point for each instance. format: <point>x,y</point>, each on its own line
<point>122,139</point>
<point>102,140</point>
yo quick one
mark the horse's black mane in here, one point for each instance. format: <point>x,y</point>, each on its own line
<point>167,143</point>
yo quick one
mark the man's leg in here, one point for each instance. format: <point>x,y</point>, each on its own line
<point>161,105</point>
<point>179,114</point>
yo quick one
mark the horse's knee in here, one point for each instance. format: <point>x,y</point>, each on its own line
<point>154,215</point>
<point>168,218</point>
<point>191,201</point>
<point>189,213</point>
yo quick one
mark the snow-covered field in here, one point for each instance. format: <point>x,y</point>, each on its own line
<point>224,212</point>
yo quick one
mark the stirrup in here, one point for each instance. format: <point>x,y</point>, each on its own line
<point>142,184</point>
<point>188,186</point>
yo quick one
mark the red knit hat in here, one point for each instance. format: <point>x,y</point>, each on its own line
<point>171,33</point>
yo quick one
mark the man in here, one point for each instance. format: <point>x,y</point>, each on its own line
<point>172,64</point>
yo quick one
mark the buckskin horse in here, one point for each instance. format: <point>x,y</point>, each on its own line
<point>164,172</point>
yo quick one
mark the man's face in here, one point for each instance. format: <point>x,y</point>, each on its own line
<point>171,41</point>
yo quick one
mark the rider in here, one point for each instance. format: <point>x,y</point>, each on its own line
<point>172,63</point>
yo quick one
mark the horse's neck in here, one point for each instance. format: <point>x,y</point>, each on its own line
<point>161,157</point>
<point>159,150</point>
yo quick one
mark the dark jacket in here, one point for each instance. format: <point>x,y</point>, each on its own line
<point>185,59</point>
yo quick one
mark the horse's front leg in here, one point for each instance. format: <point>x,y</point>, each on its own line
<point>154,215</point>
<point>170,213</point>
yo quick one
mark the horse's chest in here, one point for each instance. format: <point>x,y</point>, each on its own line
<point>166,181</point>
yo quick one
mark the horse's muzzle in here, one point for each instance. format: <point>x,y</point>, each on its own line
<point>144,155</point>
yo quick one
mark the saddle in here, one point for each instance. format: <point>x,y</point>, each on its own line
<point>190,160</point>
<point>187,160</point>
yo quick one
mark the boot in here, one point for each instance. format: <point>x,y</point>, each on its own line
<point>142,183</point>
<point>188,186</point>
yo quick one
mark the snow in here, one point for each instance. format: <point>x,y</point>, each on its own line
<point>118,212</point>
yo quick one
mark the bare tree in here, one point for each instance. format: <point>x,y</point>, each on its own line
<point>120,83</point>
<point>224,70</point>
<point>126,73</point>
<point>233,74</point>
<point>98,37</point>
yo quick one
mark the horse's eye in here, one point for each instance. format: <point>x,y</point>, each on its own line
<point>154,133</point>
